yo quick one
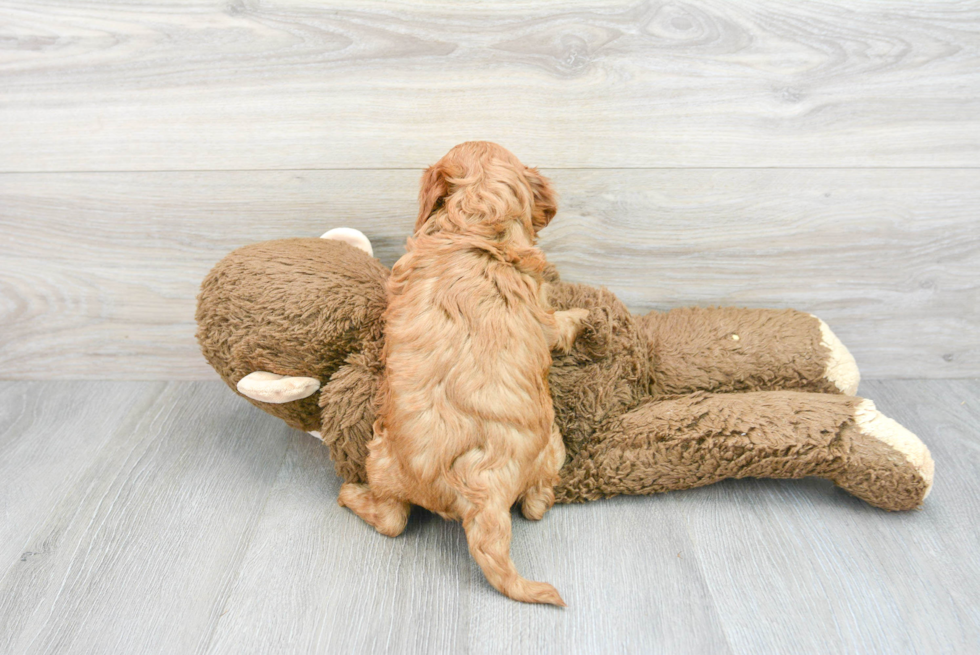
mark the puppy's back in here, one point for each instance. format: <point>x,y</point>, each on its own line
<point>466,357</point>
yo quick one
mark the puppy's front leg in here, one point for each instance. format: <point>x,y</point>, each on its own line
<point>564,327</point>
<point>560,327</point>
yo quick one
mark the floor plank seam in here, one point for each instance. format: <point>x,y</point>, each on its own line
<point>247,542</point>
<point>715,605</point>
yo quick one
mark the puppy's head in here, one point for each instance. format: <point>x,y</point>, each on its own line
<point>480,186</point>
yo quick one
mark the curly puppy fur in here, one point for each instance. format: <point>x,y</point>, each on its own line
<point>466,425</point>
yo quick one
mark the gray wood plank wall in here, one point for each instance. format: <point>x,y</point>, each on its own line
<point>824,156</point>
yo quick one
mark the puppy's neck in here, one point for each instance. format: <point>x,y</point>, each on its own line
<point>515,245</point>
<point>515,235</point>
<point>509,241</point>
<point>515,231</point>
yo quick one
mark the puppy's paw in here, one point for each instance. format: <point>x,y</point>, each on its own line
<point>578,316</point>
<point>387,516</point>
<point>570,324</point>
<point>536,502</point>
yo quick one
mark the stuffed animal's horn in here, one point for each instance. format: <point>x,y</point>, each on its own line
<point>272,388</point>
<point>349,235</point>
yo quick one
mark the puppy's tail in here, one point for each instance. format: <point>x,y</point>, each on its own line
<point>488,535</point>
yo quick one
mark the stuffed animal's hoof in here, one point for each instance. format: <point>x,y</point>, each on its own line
<point>888,466</point>
<point>841,369</point>
<point>277,389</point>
<point>349,235</point>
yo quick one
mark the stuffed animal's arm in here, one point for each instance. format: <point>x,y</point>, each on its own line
<point>727,349</point>
<point>347,412</point>
<point>695,440</point>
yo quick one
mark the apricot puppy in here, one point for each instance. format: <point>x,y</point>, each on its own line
<point>465,425</point>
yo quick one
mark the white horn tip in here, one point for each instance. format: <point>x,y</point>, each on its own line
<point>349,235</point>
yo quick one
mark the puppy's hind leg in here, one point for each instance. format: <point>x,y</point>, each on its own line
<point>537,501</point>
<point>387,515</point>
<point>539,497</point>
<point>378,503</point>
<point>488,534</point>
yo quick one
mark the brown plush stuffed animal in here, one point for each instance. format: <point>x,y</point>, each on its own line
<point>646,403</point>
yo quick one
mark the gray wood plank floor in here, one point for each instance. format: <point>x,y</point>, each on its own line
<point>149,517</point>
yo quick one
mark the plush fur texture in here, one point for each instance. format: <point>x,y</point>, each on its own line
<point>618,363</point>
<point>645,404</point>
<point>465,423</point>
<point>294,307</point>
<point>694,348</point>
<point>693,440</point>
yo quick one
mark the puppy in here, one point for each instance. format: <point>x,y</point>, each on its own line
<point>465,425</point>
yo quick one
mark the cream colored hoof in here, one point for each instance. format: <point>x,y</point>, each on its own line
<point>349,235</point>
<point>271,388</point>
<point>841,368</point>
<point>316,434</point>
<point>892,433</point>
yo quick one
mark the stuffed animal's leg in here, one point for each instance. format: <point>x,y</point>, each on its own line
<point>727,349</point>
<point>696,440</point>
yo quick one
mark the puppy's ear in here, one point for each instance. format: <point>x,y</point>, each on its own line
<point>545,199</point>
<point>433,189</point>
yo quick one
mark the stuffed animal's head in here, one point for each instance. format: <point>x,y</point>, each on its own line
<point>295,307</point>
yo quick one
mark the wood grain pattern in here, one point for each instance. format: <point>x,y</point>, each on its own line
<point>145,540</point>
<point>311,570</point>
<point>810,569</point>
<point>200,524</point>
<point>35,474</point>
<point>821,155</point>
<point>98,272</point>
<point>421,592</point>
<point>300,84</point>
